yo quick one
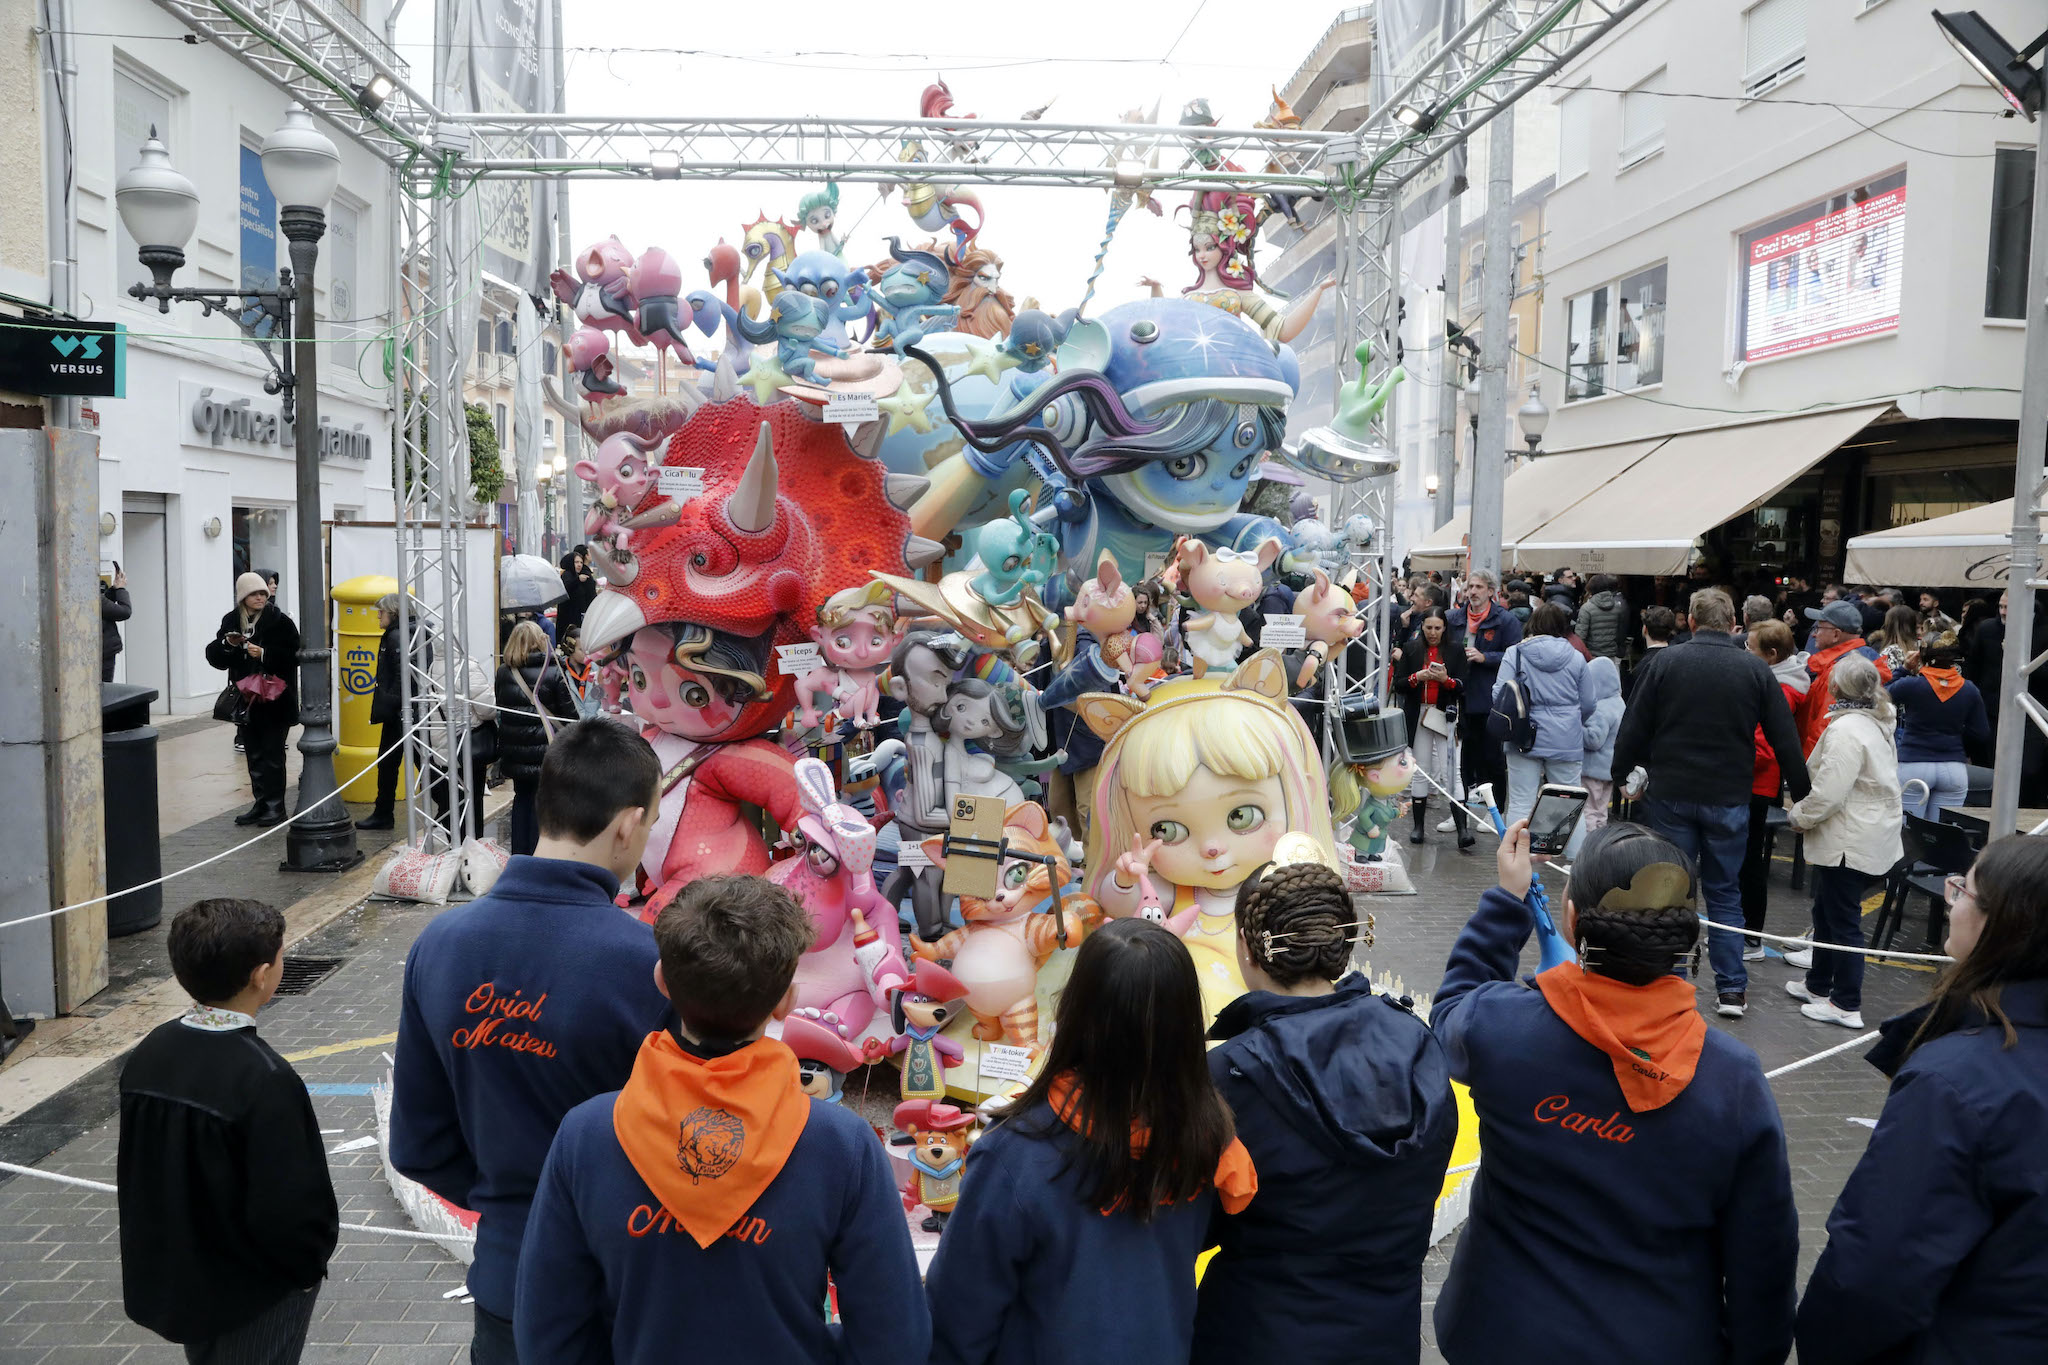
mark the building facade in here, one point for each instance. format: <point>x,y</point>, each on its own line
<point>197,472</point>
<point>1770,209</point>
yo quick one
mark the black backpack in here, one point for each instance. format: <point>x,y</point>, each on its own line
<point>1510,722</point>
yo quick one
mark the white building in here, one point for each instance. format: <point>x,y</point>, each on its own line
<point>197,477</point>
<point>1767,208</point>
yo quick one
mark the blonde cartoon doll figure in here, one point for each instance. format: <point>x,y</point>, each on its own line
<point>1193,793</point>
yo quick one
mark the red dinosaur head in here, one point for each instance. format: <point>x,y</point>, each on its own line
<point>788,516</point>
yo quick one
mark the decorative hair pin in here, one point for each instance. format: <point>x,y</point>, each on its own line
<point>1655,886</point>
<point>1362,933</point>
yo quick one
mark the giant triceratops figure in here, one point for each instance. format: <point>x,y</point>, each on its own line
<point>733,561</point>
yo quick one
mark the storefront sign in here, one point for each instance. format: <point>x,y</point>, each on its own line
<point>1826,274</point>
<point>57,357</point>
<point>225,418</point>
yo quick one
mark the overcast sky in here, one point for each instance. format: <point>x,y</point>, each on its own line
<point>1093,58</point>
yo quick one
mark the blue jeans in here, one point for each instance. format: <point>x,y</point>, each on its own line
<point>1948,784</point>
<point>1714,837</point>
<point>1526,776</point>
<point>1838,894</point>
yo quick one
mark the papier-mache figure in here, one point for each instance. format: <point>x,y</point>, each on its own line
<point>857,958</point>
<point>1195,789</point>
<point>1330,620</point>
<point>1106,608</point>
<point>1008,939</point>
<point>1223,583</point>
<point>922,1008</point>
<point>825,1052</point>
<point>939,1135</point>
<point>856,631</point>
<point>1368,788</point>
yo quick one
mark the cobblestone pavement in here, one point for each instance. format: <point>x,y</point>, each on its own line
<point>385,1301</point>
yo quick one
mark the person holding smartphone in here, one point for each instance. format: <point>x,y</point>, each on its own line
<point>258,642</point>
<point>114,607</point>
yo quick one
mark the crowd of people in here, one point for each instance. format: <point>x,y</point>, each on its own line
<point>649,1174</point>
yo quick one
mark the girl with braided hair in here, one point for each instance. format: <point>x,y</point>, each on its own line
<point>1343,1098</point>
<point>1634,1196</point>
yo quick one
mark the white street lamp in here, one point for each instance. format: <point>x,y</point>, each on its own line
<point>301,163</point>
<point>161,209</point>
<point>1534,417</point>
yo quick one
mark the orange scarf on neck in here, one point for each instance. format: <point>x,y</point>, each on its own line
<point>1946,682</point>
<point>710,1134</point>
<point>1236,1179</point>
<point>1653,1034</point>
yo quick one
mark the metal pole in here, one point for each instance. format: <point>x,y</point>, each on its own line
<point>326,840</point>
<point>1447,370</point>
<point>1489,456</point>
<point>2017,709</point>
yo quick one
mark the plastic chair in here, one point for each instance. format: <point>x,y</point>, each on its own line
<point>1934,852</point>
<point>1972,827</point>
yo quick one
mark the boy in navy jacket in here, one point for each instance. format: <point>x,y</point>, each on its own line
<point>1633,1200</point>
<point>526,1002</point>
<point>696,1213</point>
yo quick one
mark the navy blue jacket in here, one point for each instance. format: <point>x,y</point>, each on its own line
<point>1935,731</point>
<point>1344,1102</point>
<point>598,1238</point>
<point>1028,1273</point>
<point>1938,1248</point>
<point>1667,1236</point>
<point>518,1007</point>
<point>1492,639</point>
<point>1086,673</point>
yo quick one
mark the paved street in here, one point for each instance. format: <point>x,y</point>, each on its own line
<point>385,1301</point>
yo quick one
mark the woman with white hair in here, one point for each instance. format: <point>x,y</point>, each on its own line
<point>1851,821</point>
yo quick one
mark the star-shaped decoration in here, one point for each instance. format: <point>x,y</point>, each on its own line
<point>1202,340</point>
<point>765,376</point>
<point>986,358</point>
<point>906,408</point>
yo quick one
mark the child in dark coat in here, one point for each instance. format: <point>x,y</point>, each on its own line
<point>228,1215</point>
<point>1633,1200</point>
<point>1343,1099</point>
<point>696,1213</point>
<point>1083,1211</point>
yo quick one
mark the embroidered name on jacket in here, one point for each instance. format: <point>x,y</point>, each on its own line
<point>1557,1109</point>
<point>647,1220</point>
<point>709,1143</point>
<point>498,1013</point>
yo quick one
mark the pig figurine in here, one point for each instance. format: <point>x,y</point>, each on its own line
<point>655,284</point>
<point>599,292</point>
<point>1330,619</point>
<point>1223,583</point>
<point>589,354</point>
<point>1106,607</point>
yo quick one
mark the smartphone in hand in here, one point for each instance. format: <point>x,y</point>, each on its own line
<point>1555,818</point>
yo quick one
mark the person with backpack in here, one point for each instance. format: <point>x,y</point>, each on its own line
<point>1542,681</point>
<point>1603,621</point>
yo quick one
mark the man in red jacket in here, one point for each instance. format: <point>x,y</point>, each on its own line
<point>1837,632</point>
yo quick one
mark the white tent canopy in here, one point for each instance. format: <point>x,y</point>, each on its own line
<point>1967,549</point>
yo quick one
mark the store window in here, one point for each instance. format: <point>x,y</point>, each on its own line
<point>139,108</point>
<point>260,541</point>
<point>2012,222</point>
<point>1904,499</point>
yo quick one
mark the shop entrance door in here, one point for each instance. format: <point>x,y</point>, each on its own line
<point>145,635</point>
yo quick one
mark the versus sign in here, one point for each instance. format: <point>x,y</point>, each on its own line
<point>88,359</point>
<point>223,418</point>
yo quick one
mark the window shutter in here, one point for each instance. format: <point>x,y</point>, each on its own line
<point>1642,118</point>
<point>1776,37</point>
<point>1574,133</point>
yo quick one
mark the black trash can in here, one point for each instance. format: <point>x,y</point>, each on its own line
<point>134,853</point>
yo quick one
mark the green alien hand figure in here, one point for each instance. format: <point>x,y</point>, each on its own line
<point>1359,402</point>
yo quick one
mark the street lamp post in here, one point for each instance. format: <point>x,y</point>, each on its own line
<point>161,209</point>
<point>1533,417</point>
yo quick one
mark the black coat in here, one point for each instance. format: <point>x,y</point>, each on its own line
<point>278,637</point>
<point>1344,1102</point>
<point>114,606</point>
<point>1414,650</point>
<point>387,701</point>
<point>582,591</point>
<point>1692,719</point>
<point>226,1205</point>
<point>522,738</point>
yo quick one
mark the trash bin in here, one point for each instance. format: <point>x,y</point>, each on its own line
<point>134,855</point>
<point>357,632</point>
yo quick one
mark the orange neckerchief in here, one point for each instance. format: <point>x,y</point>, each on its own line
<point>1946,682</point>
<point>709,1134</point>
<point>1236,1179</point>
<point>1653,1033</point>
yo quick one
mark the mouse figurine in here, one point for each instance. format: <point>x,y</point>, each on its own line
<point>1223,583</point>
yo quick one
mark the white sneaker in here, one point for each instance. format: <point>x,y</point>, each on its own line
<point>1826,1012</point>
<point>1446,825</point>
<point>1797,990</point>
<point>1753,954</point>
<point>1802,958</point>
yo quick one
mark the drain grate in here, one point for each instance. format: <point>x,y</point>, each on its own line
<point>302,974</point>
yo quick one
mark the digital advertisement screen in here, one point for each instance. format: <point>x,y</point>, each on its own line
<point>1832,277</point>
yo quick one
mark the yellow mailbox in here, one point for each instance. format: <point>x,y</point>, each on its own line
<point>357,631</point>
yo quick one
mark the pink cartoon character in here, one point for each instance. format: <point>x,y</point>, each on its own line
<point>856,632</point>
<point>857,959</point>
<point>623,473</point>
<point>1223,583</point>
<point>599,292</point>
<point>655,285</point>
<point>590,358</point>
<point>1105,608</point>
<point>1330,619</point>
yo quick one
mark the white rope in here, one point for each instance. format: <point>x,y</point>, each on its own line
<point>102,1187</point>
<point>1821,1056</point>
